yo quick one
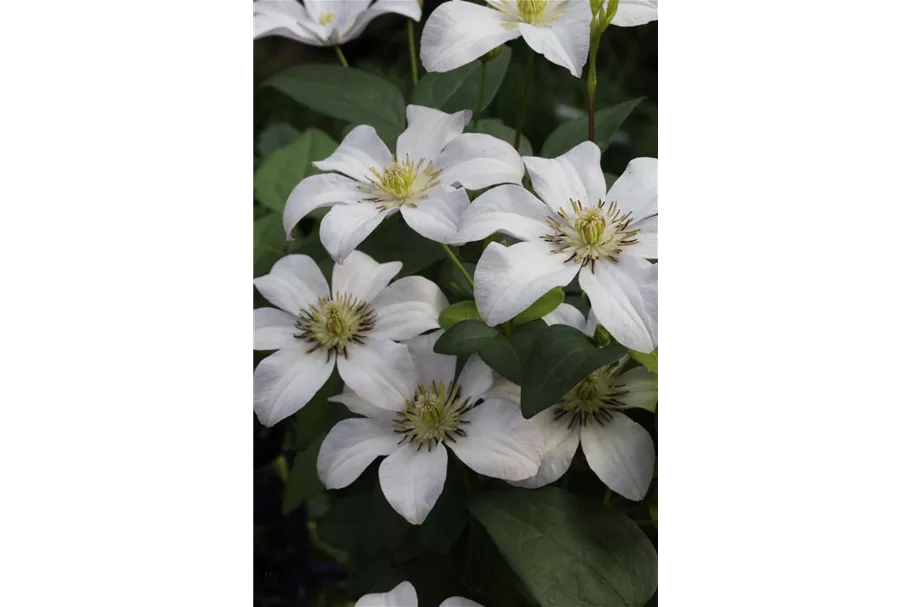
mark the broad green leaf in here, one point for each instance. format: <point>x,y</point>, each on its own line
<point>276,136</point>
<point>523,338</point>
<point>268,242</point>
<point>571,134</point>
<point>284,168</point>
<point>502,357</point>
<point>345,93</point>
<point>546,304</point>
<point>303,482</point>
<point>568,550</point>
<point>495,127</point>
<point>457,312</point>
<point>458,89</point>
<point>464,338</point>
<point>560,358</point>
<point>649,361</point>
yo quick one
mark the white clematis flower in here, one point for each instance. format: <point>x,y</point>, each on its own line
<point>459,32</point>
<point>425,180</point>
<point>324,22</point>
<point>404,595</point>
<point>575,227</point>
<point>357,325</point>
<point>634,12</point>
<point>436,411</point>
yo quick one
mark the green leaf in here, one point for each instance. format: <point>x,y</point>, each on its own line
<point>268,242</point>
<point>523,338</point>
<point>284,168</point>
<point>502,357</point>
<point>574,132</point>
<point>567,550</point>
<point>464,338</point>
<point>458,89</point>
<point>495,127</point>
<point>649,361</point>
<point>345,93</point>
<point>560,358</point>
<point>609,179</point>
<point>457,312</point>
<point>303,482</point>
<point>546,304</point>
<point>276,136</point>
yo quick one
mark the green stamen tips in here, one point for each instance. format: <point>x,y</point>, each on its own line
<point>592,399</point>
<point>432,416</point>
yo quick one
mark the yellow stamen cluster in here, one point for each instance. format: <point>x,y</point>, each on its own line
<point>530,10</point>
<point>593,398</point>
<point>326,18</point>
<point>533,12</point>
<point>591,232</point>
<point>401,183</point>
<point>432,416</point>
<point>335,323</point>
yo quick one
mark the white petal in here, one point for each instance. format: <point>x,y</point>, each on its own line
<point>273,329</point>
<point>437,216</point>
<point>458,601</point>
<point>499,442</point>
<point>635,12</point>
<point>476,161</point>
<point>407,308</point>
<point>508,280</point>
<point>412,480</point>
<point>475,380</point>
<point>636,190</point>
<point>380,371</point>
<point>510,209</point>
<point>407,8</point>
<point>566,314</point>
<point>591,324</point>
<point>504,389</point>
<point>560,444</point>
<point>316,192</point>
<point>403,595</point>
<point>624,298</point>
<point>641,387</point>
<point>565,40</point>
<point>358,405</point>
<point>360,151</point>
<point>459,32</point>
<point>281,18</point>
<point>362,277</point>
<point>286,381</point>
<point>294,283</point>
<point>428,132</point>
<point>350,447</point>
<point>575,175</point>
<point>347,225</point>
<point>622,454</point>
<point>647,246</point>
<point>430,366</point>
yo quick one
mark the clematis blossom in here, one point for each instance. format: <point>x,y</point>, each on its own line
<point>631,13</point>
<point>404,595</point>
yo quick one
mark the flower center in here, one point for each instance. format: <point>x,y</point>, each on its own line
<point>593,234</point>
<point>432,416</point>
<point>402,183</point>
<point>593,398</point>
<point>530,10</point>
<point>326,18</point>
<point>333,324</point>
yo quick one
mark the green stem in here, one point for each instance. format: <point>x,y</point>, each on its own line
<point>592,85</point>
<point>477,113</point>
<point>341,55</point>
<point>414,58</point>
<point>529,71</point>
<point>607,495</point>
<point>458,264</point>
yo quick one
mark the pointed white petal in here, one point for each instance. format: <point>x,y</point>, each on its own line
<point>316,192</point>
<point>347,225</point>
<point>504,389</point>
<point>636,190</point>
<point>475,380</point>
<point>591,324</point>
<point>458,601</point>
<point>647,247</point>
<point>380,371</point>
<point>510,209</point>
<point>403,595</point>
<point>362,277</point>
<point>294,283</point>
<point>576,175</point>
<point>430,366</point>
<point>437,216</point>
<point>635,12</point>
<point>564,40</point>
<point>281,18</point>
<point>407,8</point>
<point>476,161</point>
<point>407,308</point>
<point>641,387</point>
<point>459,32</point>
<point>566,314</point>
<point>350,447</point>
<point>412,480</point>
<point>286,381</point>
<point>508,280</point>
<point>499,442</point>
<point>560,444</point>
<point>358,405</point>
<point>273,329</point>
<point>428,132</point>
<point>624,298</point>
<point>622,454</point>
<point>359,152</point>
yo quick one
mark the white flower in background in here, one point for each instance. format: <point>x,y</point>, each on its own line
<point>459,32</point>
<point>404,595</point>
<point>324,22</point>
<point>436,411</point>
<point>579,228</point>
<point>634,12</point>
<point>356,325</point>
<point>432,156</point>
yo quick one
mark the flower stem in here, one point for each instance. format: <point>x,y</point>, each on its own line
<point>529,71</point>
<point>341,55</point>
<point>477,113</point>
<point>607,495</point>
<point>458,264</point>
<point>414,58</point>
<point>592,85</point>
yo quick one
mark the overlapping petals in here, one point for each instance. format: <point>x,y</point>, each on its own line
<point>404,595</point>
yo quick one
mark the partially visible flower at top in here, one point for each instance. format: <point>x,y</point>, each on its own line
<point>356,324</point>
<point>404,595</point>
<point>634,12</point>
<point>324,22</point>
<point>459,32</point>
<point>576,227</point>
<point>436,411</point>
<point>424,179</point>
